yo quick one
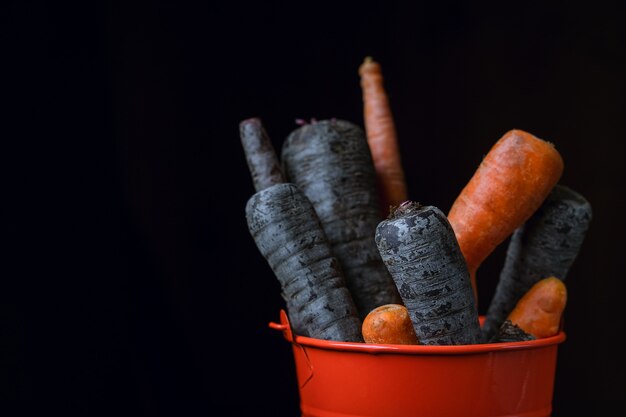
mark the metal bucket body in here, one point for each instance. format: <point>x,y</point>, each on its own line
<point>340,379</point>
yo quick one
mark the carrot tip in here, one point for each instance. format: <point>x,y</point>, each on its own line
<point>250,120</point>
<point>406,207</point>
<point>302,122</point>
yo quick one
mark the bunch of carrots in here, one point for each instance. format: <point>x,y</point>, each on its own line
<point>359,261</point>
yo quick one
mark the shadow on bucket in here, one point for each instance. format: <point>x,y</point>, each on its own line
<point>342,379</point>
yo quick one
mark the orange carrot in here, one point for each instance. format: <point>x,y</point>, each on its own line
<point>389,323</point>
<point>510,184</point>
<point>381,136</point>
<point>538,313</point>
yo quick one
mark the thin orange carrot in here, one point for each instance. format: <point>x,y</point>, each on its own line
<point>389,323</point>
<point>510,184</point>
<point>381,136</point>
<point>539,311</point>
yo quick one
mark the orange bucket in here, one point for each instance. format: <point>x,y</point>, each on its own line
<point>342,379</point>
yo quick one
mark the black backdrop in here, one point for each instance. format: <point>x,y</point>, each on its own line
<point>134,287</point>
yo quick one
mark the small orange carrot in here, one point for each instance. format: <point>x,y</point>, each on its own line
<point>538,313</point>
<point>510,184</point>
<point>381,136</point>
<point>389,323</point>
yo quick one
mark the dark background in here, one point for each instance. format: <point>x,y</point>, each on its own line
<point>133,286</point>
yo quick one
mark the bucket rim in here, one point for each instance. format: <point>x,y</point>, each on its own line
<point>412,349</point>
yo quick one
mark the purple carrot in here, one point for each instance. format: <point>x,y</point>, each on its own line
<point>419,247</point>
<point>509,332</point>
<point>330,161</point>
<point>288,233</point>
<point>260,154</point>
